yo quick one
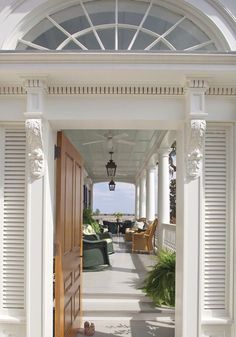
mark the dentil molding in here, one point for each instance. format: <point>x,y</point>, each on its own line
<point>196,134</point>
<point>35,147</point>
<point>117,89</point>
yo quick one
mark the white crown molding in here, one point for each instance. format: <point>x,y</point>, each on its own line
<point>134,58</point>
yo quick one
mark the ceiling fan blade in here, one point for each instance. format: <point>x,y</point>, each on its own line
<point>94,142</point>
<point>122,141</point>
<point>121,135</point>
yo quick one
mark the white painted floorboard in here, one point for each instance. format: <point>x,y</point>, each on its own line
<point>113,301</point>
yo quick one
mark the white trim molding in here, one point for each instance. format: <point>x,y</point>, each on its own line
<point>113,89</point>
<point>35,147</point>
<point>116,90</point>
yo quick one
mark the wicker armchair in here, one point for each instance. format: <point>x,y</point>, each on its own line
<point>95,253</point>
<point>91,235</point>
<point>143,241</point>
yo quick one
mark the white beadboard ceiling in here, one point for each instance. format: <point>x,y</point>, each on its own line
<point>129,157</point>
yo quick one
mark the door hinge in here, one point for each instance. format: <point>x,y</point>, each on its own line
<point>57,152</point>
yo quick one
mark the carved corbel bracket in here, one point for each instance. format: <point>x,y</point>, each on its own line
<point>35,147</point>
<point>196,136</point>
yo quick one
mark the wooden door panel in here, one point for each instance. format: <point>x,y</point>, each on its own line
<point>68,317</point>
<point>77,296</point>
<point>68,237</point>
<point>78,201</point>
<point>68,225</point>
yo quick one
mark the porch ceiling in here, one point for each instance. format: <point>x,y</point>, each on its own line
<point>132,150</point>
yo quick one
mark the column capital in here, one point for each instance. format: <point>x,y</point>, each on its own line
<point>164,151</point>
<point>35,88</point>
<point>195,90</point>
<point>150,168</point>
<point>142,174</point>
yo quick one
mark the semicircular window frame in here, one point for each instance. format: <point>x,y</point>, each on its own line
<point>124,25</point>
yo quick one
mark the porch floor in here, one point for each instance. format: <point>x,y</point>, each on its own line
<point>113,301</point>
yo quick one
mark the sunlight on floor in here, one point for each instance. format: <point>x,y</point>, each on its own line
<point>114,301</point>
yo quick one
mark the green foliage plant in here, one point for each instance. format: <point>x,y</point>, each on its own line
<point>160,281</point>
<point>118,215</point>
<point>96,227</point>
<point>87,216</point>
<point>88,219</point>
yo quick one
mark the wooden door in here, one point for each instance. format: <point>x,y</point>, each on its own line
<point>68,261</point>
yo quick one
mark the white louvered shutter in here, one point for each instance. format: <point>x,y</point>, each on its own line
<point>13,233</point>
<point>217,220</point>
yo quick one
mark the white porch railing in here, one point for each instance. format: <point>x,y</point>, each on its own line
<point>166,237</point>
<point>169,236</point>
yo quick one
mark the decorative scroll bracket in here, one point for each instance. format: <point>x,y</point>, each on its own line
<point>35,147</point>
<point>196,130</point>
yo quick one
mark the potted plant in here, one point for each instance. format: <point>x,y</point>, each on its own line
<point>160,281</point>
<point>88,219</point>
<point>118,216</point>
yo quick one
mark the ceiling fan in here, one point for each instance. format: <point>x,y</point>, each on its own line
<point>109,138</point>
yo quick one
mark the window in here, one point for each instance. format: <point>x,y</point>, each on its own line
<point>116,25</point>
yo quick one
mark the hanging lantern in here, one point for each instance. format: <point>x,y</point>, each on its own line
<point>112,185</point>
<point>111,167</point>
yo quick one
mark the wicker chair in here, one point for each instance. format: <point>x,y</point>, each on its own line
<point>143,241</point>
<point>91,235</point>
<point>95,253</point>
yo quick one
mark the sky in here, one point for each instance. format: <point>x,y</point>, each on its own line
<point>121,200</point>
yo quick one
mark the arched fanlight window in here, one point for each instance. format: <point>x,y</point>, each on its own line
<point>116,25</point>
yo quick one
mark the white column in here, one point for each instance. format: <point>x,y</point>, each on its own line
<point>150,193</point>
<point>142,197</point>
<point>139,197</point>
<point>137,200</point>
<point>190,140</point>
<point>91,194</point>
<point>156,192</point>
<point>163,186</point>
<point>39,271</point>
